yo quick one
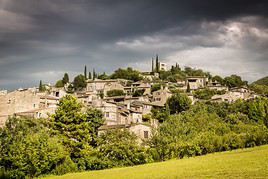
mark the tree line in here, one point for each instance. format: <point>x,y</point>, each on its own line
<point>68,141</point>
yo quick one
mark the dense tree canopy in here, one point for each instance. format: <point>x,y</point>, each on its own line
<point>115,92</point>
<point>234,81</point>
<point>79,82</point>
<point>128,74</point>
<point>178,103</point>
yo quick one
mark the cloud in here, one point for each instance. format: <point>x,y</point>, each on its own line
<point>219,47</point>
<point>39,37</point>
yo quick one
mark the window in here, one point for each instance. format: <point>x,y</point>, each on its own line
<point>146,134</point>
<point>107,114</point>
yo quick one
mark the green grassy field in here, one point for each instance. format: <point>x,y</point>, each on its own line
<point>242,163</point>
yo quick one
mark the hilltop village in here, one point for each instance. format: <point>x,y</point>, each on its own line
<point>125,103</point>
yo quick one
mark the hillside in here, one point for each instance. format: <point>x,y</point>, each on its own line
<point>262,81</point>
<point>242,163</point>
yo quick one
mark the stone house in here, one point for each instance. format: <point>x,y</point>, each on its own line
<point>141,86</point>
<point>161,96</point>
<point>233,95</point>
<point>216,86</point>
<point>26,102</point>
<point>196,82</point>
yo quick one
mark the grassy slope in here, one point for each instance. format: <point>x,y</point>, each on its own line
<point>262,81</point>
<point>242,163</point>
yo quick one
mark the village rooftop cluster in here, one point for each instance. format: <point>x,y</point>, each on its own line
<point>131,109</point>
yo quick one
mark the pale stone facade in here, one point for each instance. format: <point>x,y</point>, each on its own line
<point>27,102</point>
<point>196,82</point>
<point>161,96</point>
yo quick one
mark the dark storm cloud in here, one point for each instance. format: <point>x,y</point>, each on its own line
<point>53,36</point>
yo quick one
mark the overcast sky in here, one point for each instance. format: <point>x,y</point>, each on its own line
<point>42,39</point>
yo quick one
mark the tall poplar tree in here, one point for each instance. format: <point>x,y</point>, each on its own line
<point>65,78</point>
<point>152,64</point>
<point>89,75</point>
<point>85,72</point>
<point>157,64</point>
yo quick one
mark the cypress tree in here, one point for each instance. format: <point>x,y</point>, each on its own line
<point>188,88</point>
<point>157,64</point>
<point>89,75</point>
<point>85,72</point>
<point>152,64</point>
<point>41,87</point>
<point>94,74</point>
<point>65,78</point>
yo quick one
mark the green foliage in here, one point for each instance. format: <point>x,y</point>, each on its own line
<point>206,93</point>
<point>79,82</point>
<point>59,84</point>
<point>138,93</point>
<point>103,76</point>
<point>94,74</point>
<point>259,89</point>
<point>195,72</point>
<point>157,64</point>
<point>234,81</point>
<point>65,78</point>
<point>41,86</point>
<point>161,113</point>
<point>121,149</point>
<point>89,75</point>
<point>128,74</point>
<point>27,149</point>
<point>262,81</point>
<point>85,72</point>
<point>78,128</point>
<point>218,79</point>
<point>212,127</point>
<point>156,87</point>
<point>178,103</point>
<point>115,92</point>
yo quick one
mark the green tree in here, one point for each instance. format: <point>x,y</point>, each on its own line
<point>115,92</point>
<point>85,72</point>
<point>89,75</point>
<point>120,147</point>
<point>94,74</point>
<point>156,87</point>
<point>178,103</point>
<point>65,78</point>
<point>205,94</point>
<point>157,64</point>
<point>77,127</point>
<point>103,76</point>
<point>41,86</point>
<point>79,82</point>
<point>59,84</point>
<point>28,150</point>
<point>152,64</point>
<point>188,90</point>
<point>218,79</point>
<point>128,74</point>
<point>234,81</point>
<point>138,92</point>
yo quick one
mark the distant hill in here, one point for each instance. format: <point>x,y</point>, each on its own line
<point>262,81</point>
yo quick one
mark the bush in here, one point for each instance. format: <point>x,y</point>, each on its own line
<point>121,148</point>
<point>115,92</point>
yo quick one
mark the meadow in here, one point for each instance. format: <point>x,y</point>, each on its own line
<point>241,163</point>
